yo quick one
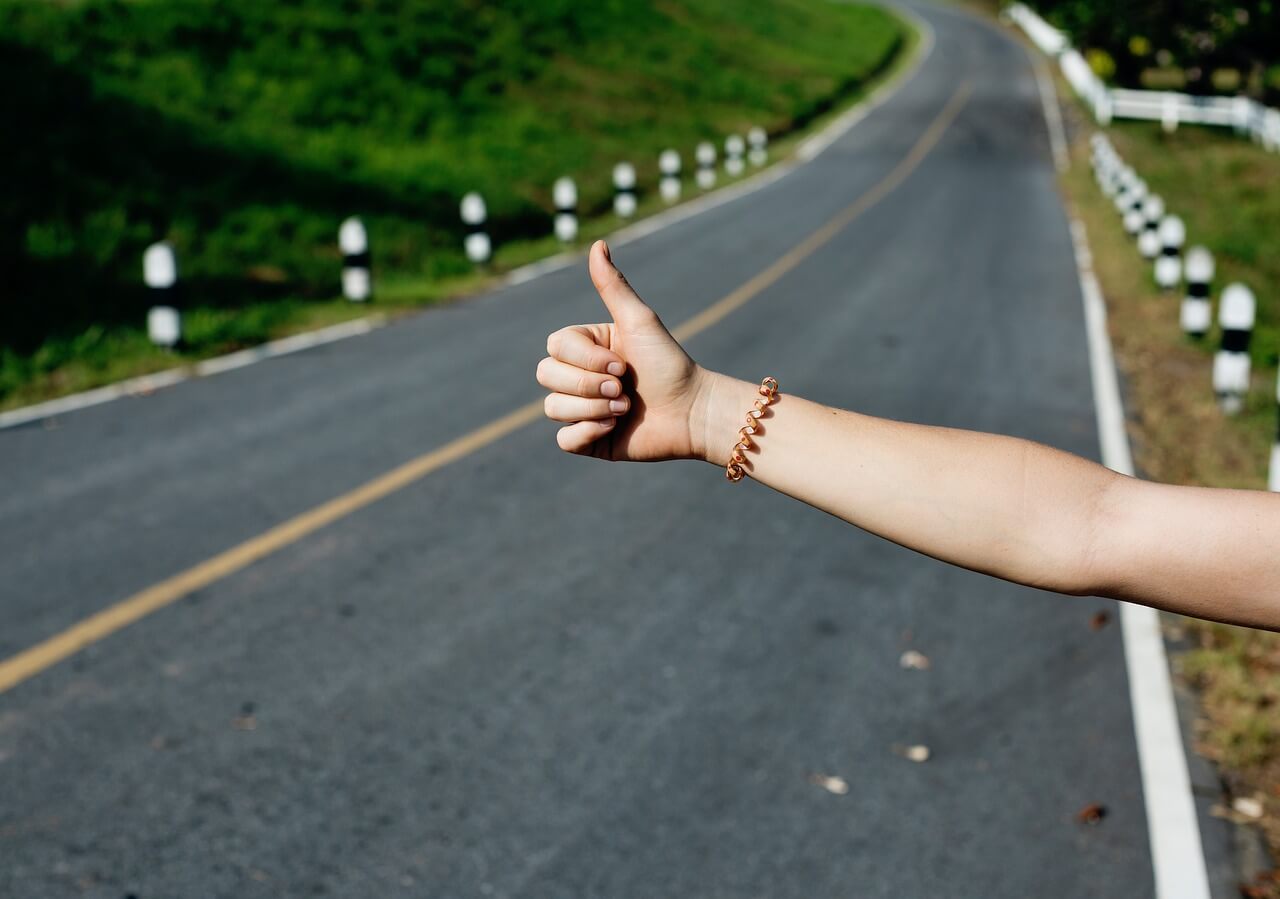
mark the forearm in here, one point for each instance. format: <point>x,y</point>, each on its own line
<point>999,505</point>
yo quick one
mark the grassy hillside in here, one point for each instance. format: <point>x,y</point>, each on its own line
<point>245,131</point>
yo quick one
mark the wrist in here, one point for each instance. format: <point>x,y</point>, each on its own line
<point>718,410</point>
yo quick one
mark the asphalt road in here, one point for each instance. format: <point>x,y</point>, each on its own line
<point>534,675</point>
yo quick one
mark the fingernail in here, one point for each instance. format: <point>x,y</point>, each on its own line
<point>617,406</point>
<point>617,369</point>
<point>608,423</point>
<point>605,247</point>
<point>611,388</point>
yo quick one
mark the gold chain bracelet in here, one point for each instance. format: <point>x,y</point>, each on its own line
<point>768,394</point>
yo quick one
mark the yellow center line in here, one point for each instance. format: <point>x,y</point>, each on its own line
<point>30,662</point>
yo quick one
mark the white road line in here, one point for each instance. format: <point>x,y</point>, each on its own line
<point>1177,856</point>
<point>145,384</point>
<point>809,149</point>
<point>1052,114</point>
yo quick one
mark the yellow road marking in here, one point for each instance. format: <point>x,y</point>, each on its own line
<point>18,668</point>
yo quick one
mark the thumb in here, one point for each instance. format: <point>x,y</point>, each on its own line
<point>623,303</point>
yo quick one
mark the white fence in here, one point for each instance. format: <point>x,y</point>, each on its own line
<point>1170,108</point>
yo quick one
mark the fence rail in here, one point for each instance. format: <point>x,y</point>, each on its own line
<point>1170,108</point>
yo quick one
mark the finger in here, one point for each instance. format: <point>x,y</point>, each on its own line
<point>562,407</point>
<point>623,303</point>
<point>565,378</point>
<point>577,347</point>
<point>578,438</point>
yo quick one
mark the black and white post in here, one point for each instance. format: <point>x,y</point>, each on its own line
<point>1236,311</point>
<point>706,156</point>
<point>758,138</point>
<point>1148,236</point>
<point>669,166</point>
<point>1129,204</point>
<point>474,215</point>
<point>624,183</point>
<point>353,241</point>
<point>734,147</point>
<point>160,273</point>
<point>1197,310</point>
<point>565,194</point>
<point>1172,234</point>
<point>1273,474</point>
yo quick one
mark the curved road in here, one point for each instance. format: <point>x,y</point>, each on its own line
<point>532,675</point>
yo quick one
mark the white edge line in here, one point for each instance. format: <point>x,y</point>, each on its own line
<point>810,148</point>
<point>145,384</point>
<point>1052,114</point>
<point>1177,856</point>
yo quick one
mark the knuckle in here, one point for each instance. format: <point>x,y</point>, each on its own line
<point>586,385</point>
<point>549,406</point>
<point>544,366</point>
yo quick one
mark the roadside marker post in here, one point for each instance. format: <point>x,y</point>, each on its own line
<point>758,138</point>
<point>565,195</point>
<point>1172,235</point>
<point>706,156</point>
<point>353,241</point>
<point>1197,311</point>
<point>160,272</point>
<point>1236,312</point>
<point>624,183</point>
<point>669,185</point>
<point>734,147</point>
<point>474,215</point>
<point>1273,475</point>
<point>1148,236</point>
<point>1134,197</point>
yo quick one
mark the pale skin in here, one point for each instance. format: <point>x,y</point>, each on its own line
<point>627,391</point>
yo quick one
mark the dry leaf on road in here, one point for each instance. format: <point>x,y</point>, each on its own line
<point>913,659</point>
<point>831,783</point>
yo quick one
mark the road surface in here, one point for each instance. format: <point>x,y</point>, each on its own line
<point>533,675</point>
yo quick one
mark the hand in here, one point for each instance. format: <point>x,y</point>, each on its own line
<point>627,390</point>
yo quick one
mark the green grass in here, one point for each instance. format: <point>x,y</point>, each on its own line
<point>1227,190</point>
<point>244,132</point>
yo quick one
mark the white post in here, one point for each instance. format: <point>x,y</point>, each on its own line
<point>1273,478</point>
<point>1129,203</point>
<point>624,182</point>
<point>758,138</point>
<point>565,195</point>
<point>669,166</point>
<point>160,272</point>
<point>1197,312</point>
<point>353,241</point>
<point>1148,218</point>
<point>706,156</point>
<point>734,147</point>
<point>1169,113</point>
<point>1231,363</point>
<point>474,214</point>
<point>1172,234</point>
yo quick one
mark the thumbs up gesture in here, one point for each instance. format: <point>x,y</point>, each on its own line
<point>625,389</point>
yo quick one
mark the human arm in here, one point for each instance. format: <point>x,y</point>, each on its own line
<point>1003,506</point>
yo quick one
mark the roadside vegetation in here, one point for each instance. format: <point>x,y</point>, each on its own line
<point>1203,47</point>
<point>1227,190</point>
<point>245,132</point>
